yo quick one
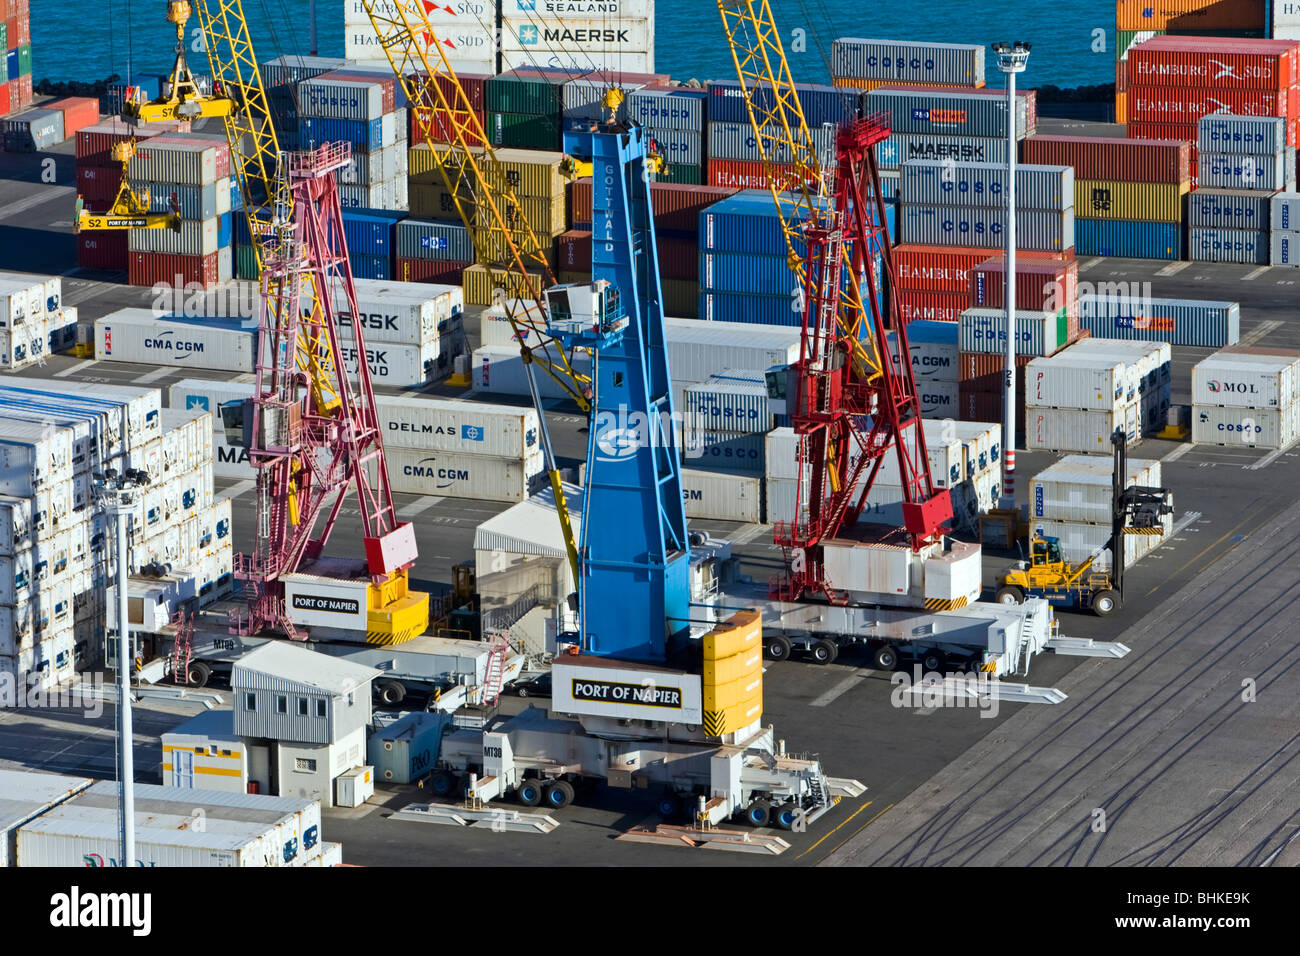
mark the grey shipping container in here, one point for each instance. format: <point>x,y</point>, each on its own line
<point>1223,133</point>
<point>679,147</point>
<point>1284,249</point>
<point>899,148</point>
<point>292,70</point>
<point>197,237</point>
<point>1285,212</point>
<point>664,109</point>
<point>33,131</point>
<point>1246,247</point>
<point>1192,322</point>
<point>976,227</point>
<point>407,749</point>
<point>936,182</point>
<point>444,241</point>
<point>943,64</point>
<point>1265,172</point>
<point>195,202</point>
<point>738,141</point>
<point>340,99</point>
<point>963,114</point>
<point>25,795</point>
<point>376,166</point>
<point>582,98</point>
<point>186,163</point>
<point>1231,209</point>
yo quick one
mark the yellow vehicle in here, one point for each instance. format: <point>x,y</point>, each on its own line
<point>131,207</point>
<point>1135,510</point>
<point>179,98</point>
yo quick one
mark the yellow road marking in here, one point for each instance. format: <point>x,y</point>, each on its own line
<point>851,816</point>
<point>859,829</point>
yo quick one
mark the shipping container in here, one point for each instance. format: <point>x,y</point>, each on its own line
<point>1284,215</point>
<point>936,268</point>
<point>901,148</point>
<point>153,268</point>
<point>1078,488</point>
<point>428,270</point>
<point>697,350</point>
<point>1144,202</point>
<point>239,829</point>
<point>1231,209</point>
<point>407,749</point>
<point>821,104</point>
<point>1076,382</point>
<point>1251,427</point>
<point>197,237</point>
<point>499,370</point>
<point>741,174</point>
<point>935,111</point>
<point>984,228</point>
<point>985,331</point>
<point>33,131</point>
<point>329,96</point>
<point>718,496</point>
<point>1048,285</point>
<point>1251,135</point>
<point>933,350</point>
<point>1268,173</point>
<point>728,406</point>
<point>451,475</point>
<point>468,428</point>
<point>175,158</point>
<point>1204,16</point>
<point>938,63</point>
<point>399,312</point>
<point>1284,249</point>
<point>738,141</point>
<point>1186,105</point>
<point>136,335</point>
<point>1058,429</point>
<point>1109,159</point>
<point>749,308</point>
<point>1221,64</point>
<point>948,183</point>
<point>27,795</point>
<point>917,305</point>
<point>1079,541</point>
<point>1246,380</point>
<point>1176,321</point>
<point>1128,239</point>
<point>662,109</point>
<point>1228,245</point>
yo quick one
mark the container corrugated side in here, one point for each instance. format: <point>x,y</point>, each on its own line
<point>1216,63</point>
<point>963,114</point>
<point>1232,209</point>
<point>908,62</point>
<point>1284,249</point>
<point>1268,173</point>
<point>134,335</point>
<point>1056,429</point>
<point>1077,382</point>
<point>467,428</point>
<point>718,496</point>
<point>452,475</point>
<point>1176,321</point>
<point>1247,247</point>
<point>905,147</point>
<point>985,228</point>
<point>1246,380</point>
<point>1107,158</point>
<point>668,109</point>
<point>1143,202</point>
<point>1128,239</point>
<point>1222,133</point>
<point>947,183</point>
<point>341,99</point>
<point>738,141</point>
<point>1252,427</point>
<point>1284,212</point>
<point>1079,487</point>
<point>728,406</point>
<point>168,160</point>
<point>1079,541</point>
<point>985,331</point>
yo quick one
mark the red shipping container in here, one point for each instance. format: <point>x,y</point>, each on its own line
<point>983,405</point>
<point>98,185</point>
<point>20,93</point>
<point>1214,63</point>
<point>981,372</point>
<point>430,270</point>
<point>95,143</point>
<point>102,250</point>
<point>152,268</point>
<point>78,113</point>
<point>936,268</point>
<point>1118,160</point>
<point>742,174</point>
<point>1174,104</point>
<point>1039,284</point>
<point>442,125</point>
<point>920,305</point>
<point>4,99</point>
<point>679,257</point>
<point>24,31</point>
<point>573,251</point>
<point>474,84</point>
<point>677,206</point>
<point>387,84</point>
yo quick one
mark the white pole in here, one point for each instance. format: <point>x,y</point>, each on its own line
<point>126,759</point>
<point>1009,414</point>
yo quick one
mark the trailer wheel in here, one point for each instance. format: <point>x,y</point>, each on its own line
<point>934,660</point>
<point>785,815</point>
<point>669,806</point>
<point>824,651</point>
<point>391,693</point>
<point>530,792</point>
<point>1011,595</point>
<point>1104,602</point>
<point>559,794</point>
<point>198,673</point>
<point>885,658</point>
<point>778,647</point>
<point>443,784</point>
<point>758,813</point>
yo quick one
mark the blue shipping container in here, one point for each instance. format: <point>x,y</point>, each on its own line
<point>363,134</point>
<point>750,309</point>
<point>821,104</point>
<point>1129,240</point>
<point>370,232</point>
<point>742,272</point>
<point>225,230</point>
<point>370,267</point>
<point>748,222</point>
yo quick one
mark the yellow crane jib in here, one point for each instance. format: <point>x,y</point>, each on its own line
<point>131,208</point>
<point>180,97</point>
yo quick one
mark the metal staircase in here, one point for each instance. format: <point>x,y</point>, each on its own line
<point>494,675</point>
<point>182,646</point>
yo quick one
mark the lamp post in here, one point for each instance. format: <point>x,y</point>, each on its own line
<point>117,494</point>
<point>1012,59</point>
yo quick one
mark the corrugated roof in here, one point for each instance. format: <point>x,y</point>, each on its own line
<point>297,665</point>
<point>532,526</point>
<point>24,794</point>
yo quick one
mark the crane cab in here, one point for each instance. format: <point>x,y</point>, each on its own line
<point>586,314</point>
<point>1045,552</point>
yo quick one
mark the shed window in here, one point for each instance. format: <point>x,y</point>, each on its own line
<point>250,702</point>
<point>320,708</point>
<point>302,706</point>
<point>305,764</point>
<point>281,704</point>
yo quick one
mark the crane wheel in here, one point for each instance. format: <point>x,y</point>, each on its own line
<point>530,792</point>
<point>885,658</point>
<point>934,661</point>
<point>1104,602</point>
<point>785,815</point>
<point>825,652</point>
<point>758,813</point>
<point>391,693</point>
<point>778,648</point>
<point>669,806</point>
<point>1011,595</point>
<point>443,784</point>
<point>559,794</point>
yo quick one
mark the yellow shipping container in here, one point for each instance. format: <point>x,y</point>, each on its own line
<point>430,201</point>
<point>481,282</point>
<point>494,250</point>
<point>681,298</point>
<point>529,172</point>
<point>423,161</point>
<point>1142,202</point>
<point>546,217</point>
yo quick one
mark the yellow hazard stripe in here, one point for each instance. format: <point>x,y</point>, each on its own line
<point>213,771</point>
<point>233,755</point>
<point>1148,531</point>
<point>943,604</point>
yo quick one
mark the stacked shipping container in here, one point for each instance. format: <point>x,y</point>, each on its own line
<point>1243,160</point>
<point>1247,396</point>
<point>16,70</point>
<point>33,321</point>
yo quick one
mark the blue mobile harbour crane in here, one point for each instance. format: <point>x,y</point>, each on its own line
<point>656,691</point>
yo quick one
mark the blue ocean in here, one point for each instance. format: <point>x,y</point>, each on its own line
<point>1073,39</point>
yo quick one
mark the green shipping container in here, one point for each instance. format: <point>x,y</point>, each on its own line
<point>245,262</point>
<point>515,94</point>
<point>24,59</point>
<point>524,131</point>
<point>4,35</point>
<point>683,174</point>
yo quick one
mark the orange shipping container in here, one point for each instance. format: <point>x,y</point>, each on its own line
<point>78,113</point>
<point>1199,16</point>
